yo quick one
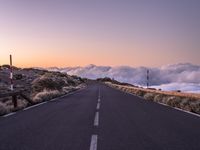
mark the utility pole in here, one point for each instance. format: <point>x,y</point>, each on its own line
<point>11,74</point>
<point>147,78</point>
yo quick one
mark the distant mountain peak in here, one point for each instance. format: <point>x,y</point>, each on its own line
<point>90,66</point>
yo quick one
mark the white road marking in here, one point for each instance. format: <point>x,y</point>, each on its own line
<point>96,119</point>
<point>163,104</point>
<point>142,98</point>
<point>54,99</point>
<point>98,106</point>
<point>27,108</point>
<point>93,144</point>
<point>180,109</point>
<point>10,114</point>
<point>187,112</point>
<point>34,106</point>
<point>99,93</point>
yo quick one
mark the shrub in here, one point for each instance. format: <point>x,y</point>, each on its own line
<point>3,109</point>
<point>195,106</point>
<point>125,89</point>
<point>68,89</point>
<point>185,104</point>
<point>48,83</point>
<point>149,96</point>
<point>140,93</point>
<point>22,103</point>
<point>173,101</point>
<point>18,76</point>
<point>129,90</point>
<point>54,81</point>
<point>46,95</point>
<point>159,97</point>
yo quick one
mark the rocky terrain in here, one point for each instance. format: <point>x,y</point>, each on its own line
<point>38,85</point>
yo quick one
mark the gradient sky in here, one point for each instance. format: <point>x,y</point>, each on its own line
<point>104,32</point>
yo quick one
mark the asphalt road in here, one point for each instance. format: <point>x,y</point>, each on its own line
<point>100,118</point>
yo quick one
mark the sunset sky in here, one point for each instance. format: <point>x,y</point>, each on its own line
<point>62,33</point>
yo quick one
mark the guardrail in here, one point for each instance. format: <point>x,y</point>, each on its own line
<point>15,95</point>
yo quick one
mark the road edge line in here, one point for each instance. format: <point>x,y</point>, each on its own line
<point>185,111</point>
<point>41,103</point>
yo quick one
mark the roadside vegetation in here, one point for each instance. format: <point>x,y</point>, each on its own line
<point>54,84</point>
<point>185,101</point>
<point>39,86</point>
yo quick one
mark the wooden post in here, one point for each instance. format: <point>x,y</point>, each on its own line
<point>11,74</point>
<point>14,100</point>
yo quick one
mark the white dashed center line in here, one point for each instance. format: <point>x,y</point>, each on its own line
<point>99,93</point>
<point>96,119</point>
<point>98,106</point>
<point>93,144</point>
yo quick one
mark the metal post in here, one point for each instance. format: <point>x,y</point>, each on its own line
<point>11,74</point>
<point>147,78</point>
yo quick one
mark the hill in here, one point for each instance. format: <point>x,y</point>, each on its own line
<point>39,85</point>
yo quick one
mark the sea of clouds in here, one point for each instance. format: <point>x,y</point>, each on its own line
<point>182,76</point>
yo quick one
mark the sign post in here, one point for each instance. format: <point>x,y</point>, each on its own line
<point>147,78</point>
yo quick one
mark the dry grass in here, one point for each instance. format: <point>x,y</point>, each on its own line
<point>68,89</point>
<point>53,84</point>
<point>185,101</point>
<point>149,96</point>
<point>7,106</point>
<point>191,95</point>
<point>3,109</point>
<point>46,95</point>
<point>40,86</point>
<point>47,82</point>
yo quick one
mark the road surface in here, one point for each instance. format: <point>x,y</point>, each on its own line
<point>100,118</point>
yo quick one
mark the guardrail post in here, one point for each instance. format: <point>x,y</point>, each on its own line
<point>14,100</point>
<point>14,97</point>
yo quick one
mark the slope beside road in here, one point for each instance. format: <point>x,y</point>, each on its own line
<point>102,118</point>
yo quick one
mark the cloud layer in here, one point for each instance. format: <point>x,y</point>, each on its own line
<point>183,76</point>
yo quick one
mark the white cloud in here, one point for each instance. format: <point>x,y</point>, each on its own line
<point>186,87</point>
<point>185,76</point>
